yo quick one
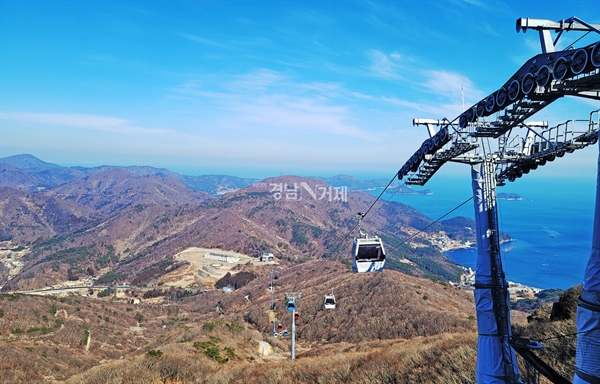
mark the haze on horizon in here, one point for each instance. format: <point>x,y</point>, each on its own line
<point>258,89</point>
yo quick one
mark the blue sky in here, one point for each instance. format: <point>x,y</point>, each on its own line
<point>260,88</point>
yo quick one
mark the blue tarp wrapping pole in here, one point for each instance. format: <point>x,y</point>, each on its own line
<point>496,361</point>
<point>587,360</point>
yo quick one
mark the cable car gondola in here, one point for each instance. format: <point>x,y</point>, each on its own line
<point>329,301</point>
<point>291,305</point>
<point>368,254</point>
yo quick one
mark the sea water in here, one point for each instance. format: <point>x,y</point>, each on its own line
<point>551,226</point>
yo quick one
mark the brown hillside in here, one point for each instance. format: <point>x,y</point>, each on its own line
<point>11,176</point>
<point>46,339</point>
<point>554,325</point>
<point>112,190</point>
<point>385,324</point>
<point>30,217</point>
<point>385,305</point>
<point>447,358</point>
<point>414,339</point>
<point>146,228</point>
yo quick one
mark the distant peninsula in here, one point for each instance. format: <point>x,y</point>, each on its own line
<point>404,190</point>
<point>508,196</point>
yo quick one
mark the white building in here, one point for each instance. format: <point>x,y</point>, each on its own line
<point>224,258</point>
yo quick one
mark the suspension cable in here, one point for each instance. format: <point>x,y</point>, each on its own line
<point>432,223</point>
<point>332,253</point>
<point>388,200</point>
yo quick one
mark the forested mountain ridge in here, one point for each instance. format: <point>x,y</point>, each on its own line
<point>115,222</point>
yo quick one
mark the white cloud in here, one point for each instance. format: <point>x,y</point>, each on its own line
<point>203,40</point>
<point>91,122</point>
<point>283,112</point>
<point>427,110</point>
<point>451,86</point>
<point>269,102</point>
<point>384,65</point>
<point>476,3</point>
<point>257,80</point>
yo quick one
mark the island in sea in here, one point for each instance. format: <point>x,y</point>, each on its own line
<point>508,196</point>
<point>405,190</point>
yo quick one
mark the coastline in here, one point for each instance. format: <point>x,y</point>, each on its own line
<point>453,246</point>
<point>516,290</point>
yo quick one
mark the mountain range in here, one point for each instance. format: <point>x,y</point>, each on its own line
<point>136,216</point>
<point>145,321</point>
<point>28,173</point>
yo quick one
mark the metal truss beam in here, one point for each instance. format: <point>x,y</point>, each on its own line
<point>542,80</point>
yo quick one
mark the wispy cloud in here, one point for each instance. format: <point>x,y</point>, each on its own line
<point>282,112</point>
<point>385,65</point>
<point>487,29</point>
<point>268,100</point>
<point>488,6</point>
<point>83,121</point>
<point>312,17</point>
<point>203,40</point>
<point>477,3</point>
<point>451,86</point>
<point>435,92</point>
<point>258,80</point>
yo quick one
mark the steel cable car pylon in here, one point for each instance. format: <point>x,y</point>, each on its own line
<point>587,356</point>
<point>540,81</point>
<point>496,361</point>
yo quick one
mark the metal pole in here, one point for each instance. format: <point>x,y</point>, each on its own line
<point>496,362</point>
<point>293,298</point>
<point>293,335</point>
<point>272,292</point>
<point>587,357</point>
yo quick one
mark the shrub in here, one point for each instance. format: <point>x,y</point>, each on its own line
<point>105,292</point>
<point>211,350</point>
<point>154,353</point>
<point>235,326</point>
<point>230,352</point>
<point>110,277</point>
<point>213,353</point>
<point>208,326</point>
<point>236,281</point>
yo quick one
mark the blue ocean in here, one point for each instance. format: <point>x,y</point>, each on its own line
<point>551,226</point>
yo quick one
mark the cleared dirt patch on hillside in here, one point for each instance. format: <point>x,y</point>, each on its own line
<point>207,266</point>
